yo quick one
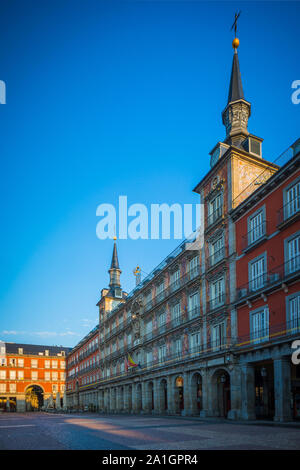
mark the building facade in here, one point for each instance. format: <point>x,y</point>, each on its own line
<point>173,345</point>
<point>268,293</point>
<point>31,376</point>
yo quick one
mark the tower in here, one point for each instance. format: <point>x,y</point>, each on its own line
<point>112,296</point>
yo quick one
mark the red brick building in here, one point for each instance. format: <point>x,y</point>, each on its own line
<point>268,292</point>
<point>30,375</point>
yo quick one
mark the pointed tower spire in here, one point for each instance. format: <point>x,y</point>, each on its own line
<point>237,112</point>
<point>114,271</point>
<point>114,260</point>
<point>235,87</point>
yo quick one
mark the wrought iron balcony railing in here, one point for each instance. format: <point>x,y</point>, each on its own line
<point>254,236</point>
<point>271,333</point>
<point>282,273</point>
<point>216,257</point>
<point>288,211</point>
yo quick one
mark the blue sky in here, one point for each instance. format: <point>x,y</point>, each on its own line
<point>118,98</point>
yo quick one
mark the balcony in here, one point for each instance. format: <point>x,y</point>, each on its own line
<point>189,276</point>
<point>216,257</point>
<point>255,236</point>
<point>272,333</point>
<point>267,281</point>
<point>288,213</point>
<point>217,301</point>
<point>214,217</point>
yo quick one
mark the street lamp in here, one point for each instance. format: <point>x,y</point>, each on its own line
<point>223,378</point>
<point>263,372</point>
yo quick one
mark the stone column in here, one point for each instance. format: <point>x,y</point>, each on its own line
<point>171,398</point>
<point>187,411</point>
<point>157,400</point>
<point>134,398</point>
<point>205,394</point>
<point>126,398</point>
<point>282,389</point>
<point>118,399</point>
<point>144,398</point>
<point>248,392</point>
<point>235,393</point>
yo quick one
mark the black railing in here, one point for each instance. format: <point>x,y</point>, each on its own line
<point>281,273</point>
<point>270,333</point>
<point>189,276</point>
<point>216,257</point>
<point>217,301</point>
<point>214,216</point>
<point>254,235</point>
<point>289,210</point>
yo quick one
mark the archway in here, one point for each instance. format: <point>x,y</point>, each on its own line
<point>34,398</point>
<point>178,395</point>
<point>163,396</point>
<point>196,393</point>
<point>221,404</point>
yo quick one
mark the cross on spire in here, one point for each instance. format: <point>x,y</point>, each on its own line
<point>235,23</point>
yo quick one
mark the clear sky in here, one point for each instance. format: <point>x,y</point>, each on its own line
<point>109,98</point>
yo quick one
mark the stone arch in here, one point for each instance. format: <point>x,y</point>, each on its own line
<point>220,392</point>
<point>34,397</point>
<point>196,392</point>
<point>178,387</point>
<point>163,395</point>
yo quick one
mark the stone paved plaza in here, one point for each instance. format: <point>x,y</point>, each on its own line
<point>98,432</point>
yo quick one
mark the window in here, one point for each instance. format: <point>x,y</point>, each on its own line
<point>175,280</point>
<point>2,374</point>
<point>177,347</point>
<point>62,376</point>
<point>217,293</point>
<point>159,291</point>
<point>47,375</point>
<point>62,364</point>
<point>46,352</point>
<point>2,388</point>
<point>20,350</point>
<point>20,375</point>
<point>34,363</point>
<point>20,362</point>
<point>195,342</point>
<point>193,267</point>
<point>149,329</point>
<point>12,375</point>
<point>47,364</point>
<point>54,388</point>
<point>293,312</point>
<point>259,325</point>
<point>129,339</point>
<point>12,388</point>
<point>292,200</point>
<point>3,361</point>
<point>193,305</point>
<point>176,314</point>
<point>293,254</point>
<point>62,387</point>
<point>2,350</point>
<point>218,336</point>
<point>54,364</point>
<point>54,375</point>
<point>257,273</point>
<point>149,357</point>
<point>214,209</point>
<point>12,362</point>
<point>162,321</point>
<point>34,375</point>
<point>162,352</point>
<point>216,251</point>
<point>256,227</point>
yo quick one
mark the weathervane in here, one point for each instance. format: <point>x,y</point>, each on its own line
<point>235,42</point>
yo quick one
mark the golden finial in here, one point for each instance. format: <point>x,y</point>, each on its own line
<point>235,43</point>
<point>115,237</point>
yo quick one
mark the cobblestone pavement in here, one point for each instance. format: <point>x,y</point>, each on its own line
<point>94,431</point>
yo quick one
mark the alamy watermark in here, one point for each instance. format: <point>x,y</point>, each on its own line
<point>296,353</point>
<point>2,92</point>
<point>296,94</point>
<point>160,221</point>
